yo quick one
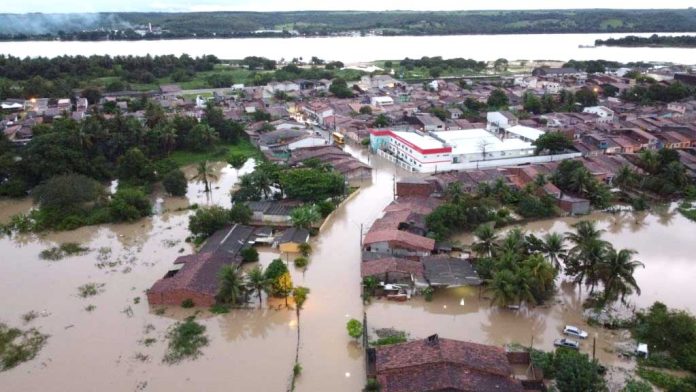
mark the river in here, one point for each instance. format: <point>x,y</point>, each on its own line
<point>560,47</point>
<point>253,349</point>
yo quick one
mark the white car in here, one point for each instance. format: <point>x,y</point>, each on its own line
<point>575,331</point>
<point>567,343</point>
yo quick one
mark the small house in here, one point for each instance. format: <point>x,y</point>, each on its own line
<point>291,239</point>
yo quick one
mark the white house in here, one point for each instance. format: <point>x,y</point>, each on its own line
<point>382,101</point>
<point>551,87</point>
<point>502,120</point>
<point>605,115</point>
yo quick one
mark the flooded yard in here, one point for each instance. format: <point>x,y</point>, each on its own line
<point>110,348</point>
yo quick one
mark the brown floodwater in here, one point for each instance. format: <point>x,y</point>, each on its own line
<point>253,349</point>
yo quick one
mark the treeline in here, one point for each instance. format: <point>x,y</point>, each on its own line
<point>684,41</point>
<point>601,66</point>
<point>99,147</point>
<point>309,23</point>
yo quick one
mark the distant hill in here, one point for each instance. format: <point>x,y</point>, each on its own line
<point>230,24</point>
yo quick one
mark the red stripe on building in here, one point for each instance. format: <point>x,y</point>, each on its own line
<point>424,151</point>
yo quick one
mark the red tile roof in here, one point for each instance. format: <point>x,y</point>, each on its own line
<point>402,238</point>
<point>380,267</point>
<point>443,365</point>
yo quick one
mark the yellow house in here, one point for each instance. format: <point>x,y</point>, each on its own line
<point>291,239</point>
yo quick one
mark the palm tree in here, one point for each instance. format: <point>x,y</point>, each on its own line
<point>487,240</point>
<point>305,216</point>
<point>514,242</point>
<point>580,181</point>
<point>257,281</point>
<point>616,273</point>
<point>625,177</point>
<point>168,138</point>
<point>237,160</point>
<point>649,161</point>
<point>540,271</point>
<point>204,174</point>
<point>231,289</point>
<point>523,287</point>
<point>586,254</point>
<point>540,180</point>
<point>554,249</point>
<point>502,288</point>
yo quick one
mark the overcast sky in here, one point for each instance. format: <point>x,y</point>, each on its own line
<point>46,6</point>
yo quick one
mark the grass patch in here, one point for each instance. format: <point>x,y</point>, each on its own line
<point>220,153</point>
<point>186,339</point>
<point>147,342</point>
<point>187,303</point>
<point>90,289</point>
<point>219,309</point>
<point>668,382</point>
<point>90,308</point>
<point>17,346</point>
<point>64,250</point>
<point>688,210</point>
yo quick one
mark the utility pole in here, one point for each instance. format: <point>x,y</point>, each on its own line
<point>394,186</point>
<point>361,235</point>
<point>594,346</point>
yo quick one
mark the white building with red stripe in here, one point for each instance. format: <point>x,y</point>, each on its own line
<point>459,149</point>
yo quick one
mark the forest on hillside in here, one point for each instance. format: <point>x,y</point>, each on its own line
<point>133,26</point>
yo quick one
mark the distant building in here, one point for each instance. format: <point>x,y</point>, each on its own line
<point>555,72</point>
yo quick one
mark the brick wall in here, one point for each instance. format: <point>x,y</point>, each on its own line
<point>410,189</point>
<point>176,297</point>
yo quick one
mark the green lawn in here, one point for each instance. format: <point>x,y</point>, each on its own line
<point>219,153</point>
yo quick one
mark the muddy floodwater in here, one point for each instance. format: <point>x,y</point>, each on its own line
<point>253,349</point>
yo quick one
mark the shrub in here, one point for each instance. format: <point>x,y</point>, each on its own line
<point>17,346</point>
<point>90,289</point>
<point>250,255</point>
<point>301,262</point>
<point>129,204</point>
<point>296,370</point>
<point>185,341</point>
<point>206,221</point>
<point>175,183</point>
<point>428,293</point>
<point>187,303</point>
<point>355,328</point>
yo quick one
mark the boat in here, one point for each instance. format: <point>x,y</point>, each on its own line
<point>586,46</point>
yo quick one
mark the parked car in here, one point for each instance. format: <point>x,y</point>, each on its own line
<point>575,331</point>
<point>567,343</point>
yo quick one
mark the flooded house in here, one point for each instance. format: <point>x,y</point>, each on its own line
<point>291,240</point>
<point>195,277</point>
<point>438,364</point>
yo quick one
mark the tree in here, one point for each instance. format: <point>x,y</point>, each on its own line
<point>175,183</point>
<point>365,109</point>
<point>249,255</point>
<point>299,295</point>
<point>305,216</point>
<point>586,97</point>
<point>231,290</point>
<point>93,95</point>
<point>486,240</point>
<point>500,65</point>
<point>201,137</point>
<point>587,253</point>
<point>554,249</point>
<point>129,204</point>
<point>206,221</point>
<point>503,288</point>
<point>239,213</point>
<point>531,102</point>
<point>237,160</point>
<point>258,281</point>
<point>305,249</point>
<point>205,172</point>
<point>282,287</point>
<point>542,275</point>
<point>355,328</point>
<point>311,185</point>
<point>575,372</point>
<point>340,89</point>
<point>67,193</point>
<point>135,168</point>
<point>498,99</point>
<point>381,121</point>
<point>553,142</point>
<point>616,272</point>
